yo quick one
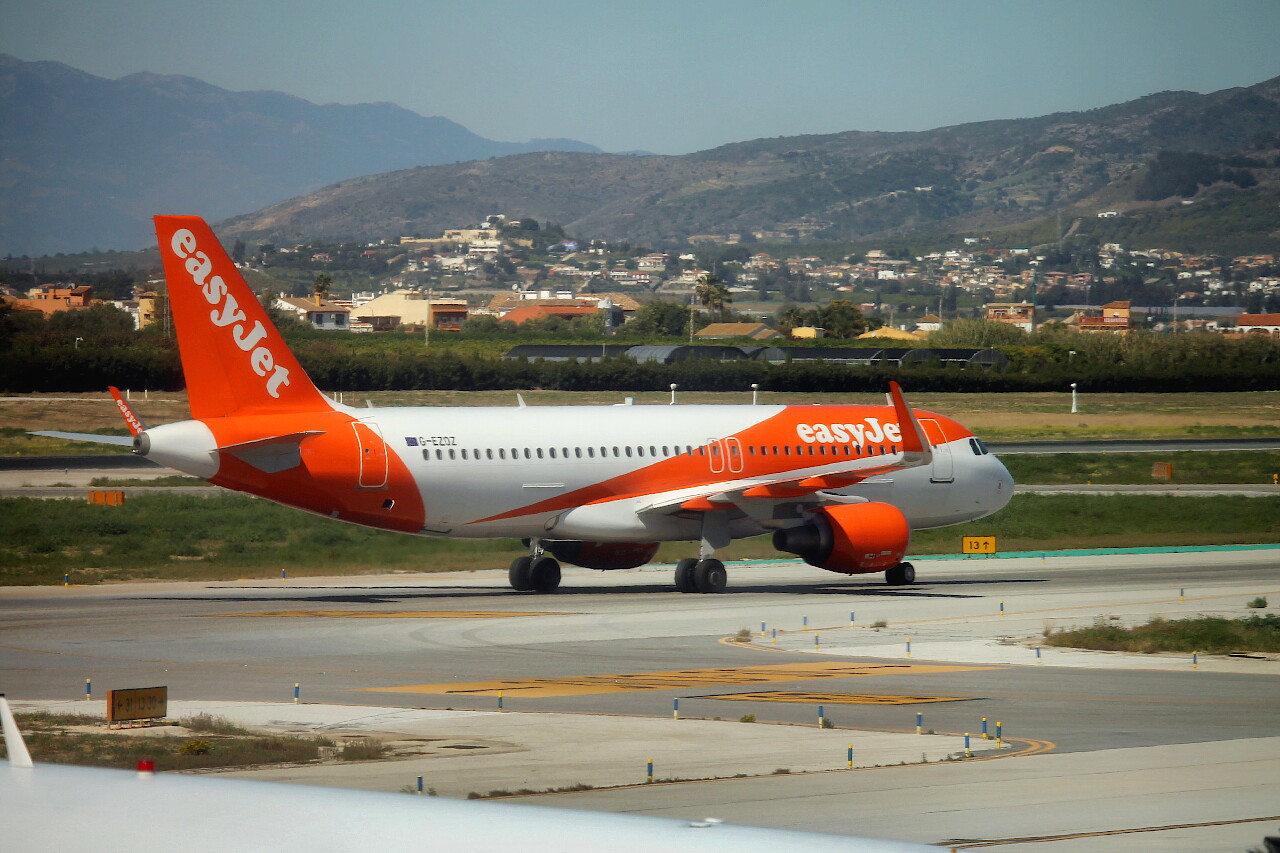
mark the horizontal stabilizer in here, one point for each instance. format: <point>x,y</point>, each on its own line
<point>122,440</point>
<point>269,455</point>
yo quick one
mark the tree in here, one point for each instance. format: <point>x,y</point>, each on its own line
<point>712,293</point>
<point>842,319</point>
<point>237,252</point>
<point>321,286</point>
<point>660,317</point>
<point>977,333</point>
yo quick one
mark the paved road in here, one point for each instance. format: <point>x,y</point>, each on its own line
<point>1136,742</point>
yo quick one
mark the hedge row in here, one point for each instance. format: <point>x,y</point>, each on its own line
<point>65,369</point>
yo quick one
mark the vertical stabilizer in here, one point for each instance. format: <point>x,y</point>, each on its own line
<point>234,359</point>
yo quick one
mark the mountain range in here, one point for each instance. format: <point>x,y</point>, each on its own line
<point>1141,157</point>
<point>86,161</point>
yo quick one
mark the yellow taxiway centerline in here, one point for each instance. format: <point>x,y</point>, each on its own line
<point>673,680</point>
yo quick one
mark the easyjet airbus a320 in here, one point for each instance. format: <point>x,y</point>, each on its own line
<point>596,486</point>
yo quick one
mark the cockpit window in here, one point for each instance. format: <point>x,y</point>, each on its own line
<point>979,449</point>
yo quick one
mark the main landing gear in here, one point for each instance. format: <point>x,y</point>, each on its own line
<point>707,575</point>
<point>538,572</point>
<point>900,575</point>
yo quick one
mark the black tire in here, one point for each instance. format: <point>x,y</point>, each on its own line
<point>710,576</point>
<point>684,575</point>
<point>544,574</point>
<point>519,575</point>
<point>900,575</point>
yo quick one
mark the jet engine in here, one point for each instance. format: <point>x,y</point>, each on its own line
<point>849,538</point>
<point>602,555</point>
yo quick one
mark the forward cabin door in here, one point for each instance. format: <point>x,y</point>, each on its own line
<point>943,469</point>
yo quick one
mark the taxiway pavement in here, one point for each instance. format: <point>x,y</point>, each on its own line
<point>589,676</point>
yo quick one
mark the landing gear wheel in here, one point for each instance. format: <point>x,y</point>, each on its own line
<point>684,575</point>
<point>544,574</point>
<point>900,575</point>
<point>518,575</point>
<point>710,576</point>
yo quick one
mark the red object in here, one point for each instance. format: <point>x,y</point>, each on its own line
<point>146,766</point>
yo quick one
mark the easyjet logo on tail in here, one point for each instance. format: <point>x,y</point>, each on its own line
<point>227,313</point>
<point>870,431</point>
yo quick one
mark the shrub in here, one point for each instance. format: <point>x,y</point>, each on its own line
<point>195,746</point>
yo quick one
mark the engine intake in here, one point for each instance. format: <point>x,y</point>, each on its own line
<point>849,538</point>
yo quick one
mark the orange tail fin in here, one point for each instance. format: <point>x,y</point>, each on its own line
<point>234,359</point>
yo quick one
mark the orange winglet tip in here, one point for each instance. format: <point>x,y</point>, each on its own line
<point>913,440</point>
<point>131,419</point>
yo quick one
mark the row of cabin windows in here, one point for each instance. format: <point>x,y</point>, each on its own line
<point>661,452</point>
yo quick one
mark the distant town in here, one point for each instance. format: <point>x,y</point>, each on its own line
<point>510,271</point>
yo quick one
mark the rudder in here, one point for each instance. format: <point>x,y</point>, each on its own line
<point>234,359</point>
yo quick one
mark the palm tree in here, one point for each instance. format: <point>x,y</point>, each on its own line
<point>321,287</point>
<point>712,293</point>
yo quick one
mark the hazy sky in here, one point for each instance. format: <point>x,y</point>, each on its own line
<point>672,76</point>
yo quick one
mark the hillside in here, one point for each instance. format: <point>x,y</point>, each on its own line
<point>87,161</point>
<point>845,186</point>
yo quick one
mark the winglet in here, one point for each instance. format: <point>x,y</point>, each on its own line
<point>18,755</point>
<point>916,449</point>
<point>131,419</point>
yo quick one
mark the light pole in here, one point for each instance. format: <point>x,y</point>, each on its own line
<point>77,344</point>
<point>1070,355</point>
<point>674,386</point>
<point>755,391</point>
<point>1074,409</point>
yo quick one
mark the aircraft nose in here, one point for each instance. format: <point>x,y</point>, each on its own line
<point>1003,484</point>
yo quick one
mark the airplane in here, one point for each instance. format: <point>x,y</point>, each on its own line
<point>841,486</point>
<point>49,807</point>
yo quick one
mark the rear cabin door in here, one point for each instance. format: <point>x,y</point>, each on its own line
<point>373,455</point>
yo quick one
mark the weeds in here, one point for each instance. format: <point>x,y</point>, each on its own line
<point>1259,603</point>
<point>1205,634</point>
<point>747,718</point>
<point>362,749</point>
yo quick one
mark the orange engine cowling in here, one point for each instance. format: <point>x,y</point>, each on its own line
<point>602,555</point>
<point>849,538</point>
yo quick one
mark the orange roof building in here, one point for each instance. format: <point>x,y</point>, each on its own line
<point>525,313</point>
<point>1259,324</point>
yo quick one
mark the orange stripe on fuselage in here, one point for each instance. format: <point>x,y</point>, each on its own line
<point>780,431</point>
<point>327,481</point>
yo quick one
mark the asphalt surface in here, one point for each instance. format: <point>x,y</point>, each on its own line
<point>609,644</point>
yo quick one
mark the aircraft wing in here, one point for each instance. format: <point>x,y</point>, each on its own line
<point>131,420</point>
<point>916,452</point>
<point>122,811</point>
